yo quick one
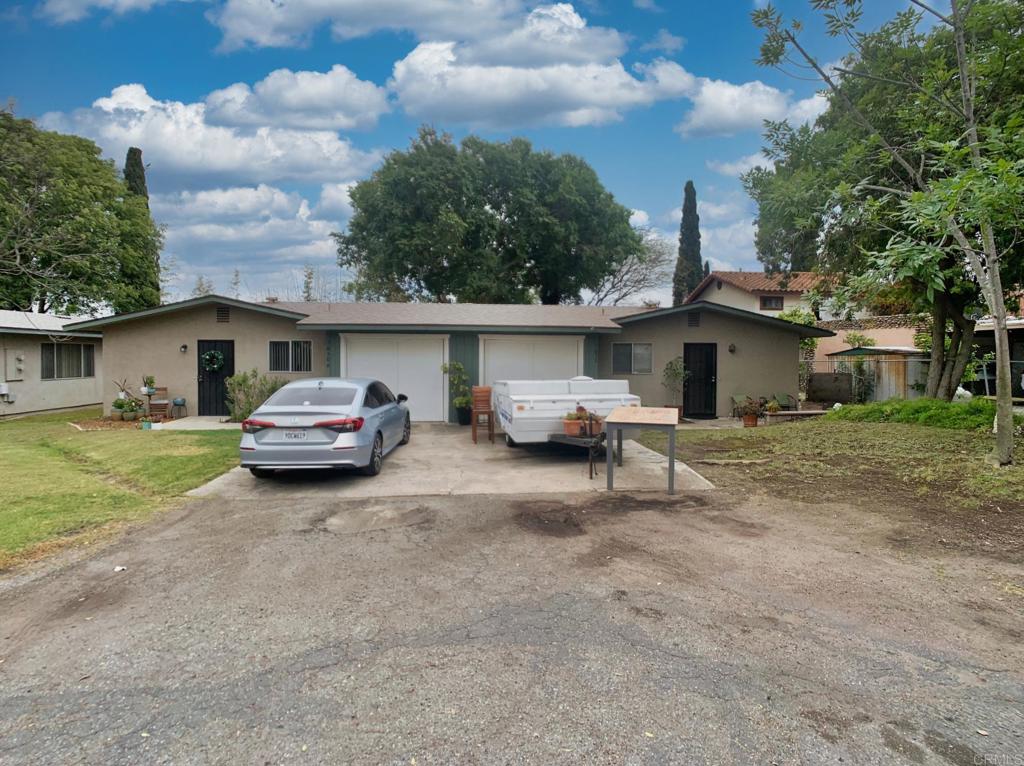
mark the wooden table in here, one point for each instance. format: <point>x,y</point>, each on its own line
<point>652,418</point>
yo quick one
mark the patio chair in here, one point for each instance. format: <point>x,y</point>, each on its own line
<point>737,403</point>
<point>787,402</point>
<point>482,409</point>
<point>159,404</point>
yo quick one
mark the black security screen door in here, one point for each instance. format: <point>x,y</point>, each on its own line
<point>701,361</point>
<point>212,388</point>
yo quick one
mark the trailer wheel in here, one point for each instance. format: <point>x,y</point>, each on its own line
<point>510,442</point>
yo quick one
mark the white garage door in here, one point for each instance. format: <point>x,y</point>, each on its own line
<point>524,357</point>
<point>407,364</point>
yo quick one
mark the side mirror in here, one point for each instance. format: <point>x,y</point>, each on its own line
<point>402,398</point>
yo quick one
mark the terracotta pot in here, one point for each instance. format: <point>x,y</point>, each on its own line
<point>750,421</point>
<point>678,408</point>
<point>573,427</point>
<point>595,428</point>
<point>116,415</point>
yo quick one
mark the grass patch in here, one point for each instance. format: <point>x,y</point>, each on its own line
<point>940,476</point>
<point>975,415</point>
<point>59,482</point>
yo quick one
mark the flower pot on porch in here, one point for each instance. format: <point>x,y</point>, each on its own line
<point>574,427</point>
<point>129,415</point>
<point>464,415</point>
<point>750,421</point>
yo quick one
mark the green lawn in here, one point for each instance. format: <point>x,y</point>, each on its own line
<point>937,476</point>
<point>59,482</point>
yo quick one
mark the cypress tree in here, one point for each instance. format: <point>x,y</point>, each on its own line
<point>689,267</point>
<point>135,174</point>
<point>707,268</point>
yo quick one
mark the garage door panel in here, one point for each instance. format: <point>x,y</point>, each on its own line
<point>409,365</point>
<point>531,359</point>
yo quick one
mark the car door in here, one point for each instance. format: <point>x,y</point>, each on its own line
<point>393,416</point>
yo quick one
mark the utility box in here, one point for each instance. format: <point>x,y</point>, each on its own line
<point>14,364</point>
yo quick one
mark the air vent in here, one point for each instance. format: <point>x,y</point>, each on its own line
<point>693,319</point>
<point>223,314</point>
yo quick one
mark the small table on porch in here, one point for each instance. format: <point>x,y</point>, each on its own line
<point>653,418</point>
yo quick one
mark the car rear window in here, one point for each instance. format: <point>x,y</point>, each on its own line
<point>298,396</point>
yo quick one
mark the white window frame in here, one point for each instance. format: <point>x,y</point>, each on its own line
<point>632,356</point>
<point>291,356</point>
<point>81,354</point>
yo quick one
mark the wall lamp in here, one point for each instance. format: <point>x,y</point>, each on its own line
<point>732,348</point>
<point>183,348</point>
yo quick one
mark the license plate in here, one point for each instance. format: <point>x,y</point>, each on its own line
<point>295,434</point>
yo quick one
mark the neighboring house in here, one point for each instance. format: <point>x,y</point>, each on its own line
<point>729,351</point>
<point>892,330</point>
<point>46,366</point>
<point>756,291</point>
<point>984,337</point>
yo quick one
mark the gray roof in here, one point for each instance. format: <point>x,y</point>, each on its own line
<point>167,308</point>
<point>880,351</point>
<point>31,323</point>
<point>456,315</point>
<point>804,331</point>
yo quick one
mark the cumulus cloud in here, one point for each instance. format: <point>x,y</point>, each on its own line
<point>332,100</point>
<point>664,41</point>
<point>63,11</point>
<point>231,204</point>
<point>639,218</point>
<point>433,82</point>
<point>334,200</point>
<point>730,246</point>
<point>181,143</point>
<point>725,108</point>
<point>739,166</point>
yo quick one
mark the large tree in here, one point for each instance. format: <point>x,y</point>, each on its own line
<point>135,180</point>
<point>912,176</point>
<point>689,267</point>
<point>484,222</point>
<point>72,238</point>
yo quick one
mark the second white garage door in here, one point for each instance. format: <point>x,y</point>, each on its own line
<point>407,364</point>
<point>524,357</point>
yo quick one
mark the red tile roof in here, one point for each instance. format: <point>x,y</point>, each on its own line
<point>759,282</point>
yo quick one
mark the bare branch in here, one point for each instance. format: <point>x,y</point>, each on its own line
<point>932,11</point>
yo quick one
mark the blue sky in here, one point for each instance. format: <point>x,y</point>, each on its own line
<point>256,116</point>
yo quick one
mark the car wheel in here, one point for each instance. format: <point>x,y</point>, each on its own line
<point>261,473</point>
<point>406,431</point>
<point>376,456</point>
<point>510,442</point>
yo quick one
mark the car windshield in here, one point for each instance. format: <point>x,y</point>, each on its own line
<point>298,396</point>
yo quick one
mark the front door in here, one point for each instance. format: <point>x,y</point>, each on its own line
<point>213,391</point>
<point>701,362</point>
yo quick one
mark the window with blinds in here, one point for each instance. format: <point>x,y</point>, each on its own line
<point>291,356</point>
<point>67,360</point>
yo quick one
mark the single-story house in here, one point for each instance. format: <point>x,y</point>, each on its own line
<point>727,350</point>
<point>756,291</point>
<point>47,366</point>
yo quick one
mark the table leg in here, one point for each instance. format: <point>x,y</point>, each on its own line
<point>672,461</point>
<point>610,453</point>
<point>618,441</point>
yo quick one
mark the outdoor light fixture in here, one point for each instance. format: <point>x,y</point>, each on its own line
<point>183,348</point>
<point>732,348</point>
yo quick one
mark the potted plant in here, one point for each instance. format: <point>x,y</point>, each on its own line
<point>116,408</point>
<point>130,409</point>
<point>458,384</point>
<point>673,378</point>
<point>148,385</point>
<point>147,423</point>
<point>750,411</point>
<point>572,424</point>
<point>773,406</point>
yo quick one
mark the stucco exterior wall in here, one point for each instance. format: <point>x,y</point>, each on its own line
<point>765,362</point>
<point>150,346</point>
<point>884,336</point>
<point>723,293</point>
<point>32,394</point>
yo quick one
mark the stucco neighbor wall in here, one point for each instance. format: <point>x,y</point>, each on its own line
<point>884,336</point>
<point>32,394</point>
<point>765,362</point>
<point>730,295</point>
<point>150,346</point>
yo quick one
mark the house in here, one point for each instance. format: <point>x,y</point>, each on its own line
<point>47,366</point>
<point>756,291</point>
<point>729,351</point>
<point>897,330</point>
<point>984,338</point>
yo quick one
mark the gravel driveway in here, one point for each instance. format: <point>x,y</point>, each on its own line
<point>640,629</point>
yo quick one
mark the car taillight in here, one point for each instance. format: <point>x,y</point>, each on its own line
<point>341,426</point>
<point>252,426</point>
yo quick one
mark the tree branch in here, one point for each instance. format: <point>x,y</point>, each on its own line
<point>932,11</point>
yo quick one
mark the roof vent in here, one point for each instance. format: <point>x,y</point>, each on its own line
<point>693,319</point>
<point>223,314</point>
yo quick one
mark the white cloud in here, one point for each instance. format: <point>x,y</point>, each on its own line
<point>432,82</point>
<point>333,100</point>
<point>710,211</point>
<point>639,218</point>
<point>730,246</point>
<point>664,41</point>
<point>263,23</point>
<point>724,108</point>
<point>549,34</point>
<point>180,143</point>
<point>739,166</point>
<point>334,200</point>
<point>231,204</point>
<point>647,5</point>
<point>63,11</point>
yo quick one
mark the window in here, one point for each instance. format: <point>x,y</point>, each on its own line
<point>67,360</point>
<point>328,396</point>
<point>771,303</point>
<point>370,401</point>
<point>291,356</point>
<point>631,358</point>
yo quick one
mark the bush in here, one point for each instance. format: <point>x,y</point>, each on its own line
<point>247,391</point>
<point>976,414</point>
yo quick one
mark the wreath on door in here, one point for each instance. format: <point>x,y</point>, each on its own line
<point>213,361</point>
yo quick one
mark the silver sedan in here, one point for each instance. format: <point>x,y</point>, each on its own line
<point>325,423</point>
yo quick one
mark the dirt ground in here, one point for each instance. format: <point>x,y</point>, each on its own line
<point>712,627</point>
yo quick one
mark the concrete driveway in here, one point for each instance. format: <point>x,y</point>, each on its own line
<point>442,460</point>
<point>483,629</point>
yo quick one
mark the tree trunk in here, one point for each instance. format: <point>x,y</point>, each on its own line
<point>1004,382</point>
<point>935,366</point>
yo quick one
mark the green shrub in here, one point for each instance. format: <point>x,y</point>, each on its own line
<point>247,391</point>
<point>976,414</point>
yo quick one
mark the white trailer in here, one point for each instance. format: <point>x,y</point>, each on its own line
<point>530,410</point>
